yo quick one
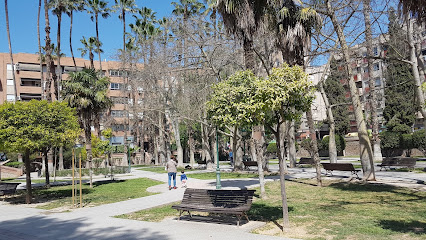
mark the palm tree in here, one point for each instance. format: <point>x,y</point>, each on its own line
<point>416,7</point>
<point>90,45</point>
<point>73,5</point>
<point>10,48</point>
<point>86,91</point>
<point>124,6</point>
<point>43,96</point>
<point>144,29</point>
<point>97,7</point>
<point>48,51</point>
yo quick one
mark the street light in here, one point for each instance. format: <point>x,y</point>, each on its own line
<point>218,186</point>
<point>128,140</point>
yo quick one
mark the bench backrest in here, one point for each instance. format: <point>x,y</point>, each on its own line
<point>399,161</point>
<point>250,163</point>
<point>218,198</point>
<point>305,160</point>
<point>8,186</point>
<point>339,166</point>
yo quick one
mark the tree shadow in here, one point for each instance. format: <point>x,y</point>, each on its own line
<point>265,213</point>
<point>415,227</point>
<point>41,227</point>
<point>103,182</point>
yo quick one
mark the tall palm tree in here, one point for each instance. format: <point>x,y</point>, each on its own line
<point>90,45</point>
<point>416,7</point>
<point>86,91</point>
<point>43,96</point>
<point>10,47</point>
<point>124,6</point>
<point>73,5</point>
<point>145,28</point>
<point>96,7</point>
<point>48,51</point>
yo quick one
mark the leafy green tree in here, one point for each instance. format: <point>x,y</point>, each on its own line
<point>419,140</point>
<point>245,100</point>
<point>336,96</point>
<point>87,92</point>
<point>401,106</point>
<point>31,126</point>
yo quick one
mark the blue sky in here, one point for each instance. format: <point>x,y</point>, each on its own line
<point>23,27</point>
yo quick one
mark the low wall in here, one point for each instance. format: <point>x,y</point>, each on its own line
<point>10,172</point>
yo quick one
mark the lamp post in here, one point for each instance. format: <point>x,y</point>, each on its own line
<point>218,185</point>
<point>128,154</point>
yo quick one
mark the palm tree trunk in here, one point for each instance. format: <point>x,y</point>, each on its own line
<point>366,151</point>
<point>249,55</point>
<point>373,95</point>
<point>58,54</point>
<point>124,30</point>
<point>97,38</point>
<point>43,95</point>
<point>72,53</point>
<point>10,49</point>
<point>48,51</point>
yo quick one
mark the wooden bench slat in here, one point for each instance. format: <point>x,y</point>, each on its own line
<point>397,162</point>
<point>330,167</point>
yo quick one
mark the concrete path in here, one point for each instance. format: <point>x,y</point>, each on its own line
<point>23,222</point>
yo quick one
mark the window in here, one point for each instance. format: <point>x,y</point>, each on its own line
<point>119,100</point>
<point>376,51</point>
<point>118,113</point>
<point>115,86</point>
<point>376,67</point>
<point>10,97</point>
<point>118,127</point>
<point>366,70</point>
<point>117,73</point>
<point>10,82</point>
<point>30,82</point>
<point>378,82</point>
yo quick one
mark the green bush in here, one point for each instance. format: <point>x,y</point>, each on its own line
<point>324,144</point>
<point>15,164</point>
<point>272,148</point>
<point>118,149</point>
<point>390,142</point>
<point>406,143</point>
<point>96,171</point>
<point>419,140</point>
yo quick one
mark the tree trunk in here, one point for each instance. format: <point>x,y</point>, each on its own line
<point>191,144</point>
<point>46,168</point>
<point>10,49</point>
<point>206,144</point>
<point>415,68</point>
<point>377,152</point>
<point>72,53</point>
<point>155,148</point>
<point>249,55</point>
<point>256,147</point>
<point>281,149</point>
<point>332,150</point>
<point>43,93</point>
<point>48,56</point>
<point>88,143</point>
<point>291,144</point>
<point>58,54</point>
<point>28,176</point>
<point>61,159</point>
<point>175,124</point>
<point>313,137</point>
<point>366,151</point>
<point>283,170</point>
<point>124,30</point>
<point>97,38</point>
<point>161,139</point>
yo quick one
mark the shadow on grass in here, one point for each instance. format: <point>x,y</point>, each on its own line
<point>415,227</point>
<point>99,183</point>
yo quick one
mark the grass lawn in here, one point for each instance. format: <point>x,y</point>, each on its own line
<point>102,193</point>
<point>36,180</point>
<point>340,210</point>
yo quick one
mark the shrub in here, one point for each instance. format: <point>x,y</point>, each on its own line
<point>390,142</point>
<point>419,140</point>
<point>272,148</point>
<point>340,144</point>
<point>406,143</point>
<point>15,164</point>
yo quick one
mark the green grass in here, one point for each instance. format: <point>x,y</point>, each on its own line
<point>223,175</point>
<point>344,210</point>
<point>339,210</point>
<point>33,181</point>
<point>156,214</point>
<point>102,193</point>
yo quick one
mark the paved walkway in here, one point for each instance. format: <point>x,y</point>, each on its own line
<point>23,222</point>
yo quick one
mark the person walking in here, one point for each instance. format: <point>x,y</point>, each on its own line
<point>171,172</point>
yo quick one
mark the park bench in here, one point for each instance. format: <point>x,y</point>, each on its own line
<point>305,160</point>
<point>248,164</point>
<point>397,162</point>
<point>231,202</point>
<point>8,188</point>
<point>330,167</point>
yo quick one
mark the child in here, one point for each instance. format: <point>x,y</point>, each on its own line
<point>183,179</point>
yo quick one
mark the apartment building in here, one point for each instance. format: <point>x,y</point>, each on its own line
<point>28,86</point>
